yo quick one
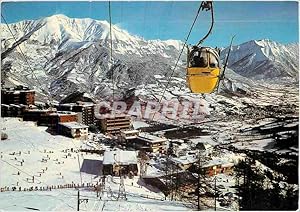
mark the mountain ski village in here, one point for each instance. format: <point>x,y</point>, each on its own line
<point>96,118</point>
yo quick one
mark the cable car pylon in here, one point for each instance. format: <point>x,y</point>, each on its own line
<point>226,63</point>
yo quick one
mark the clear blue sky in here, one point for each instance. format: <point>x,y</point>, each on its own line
<point>171,20</point>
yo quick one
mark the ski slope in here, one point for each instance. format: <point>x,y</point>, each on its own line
<point>38,146</point>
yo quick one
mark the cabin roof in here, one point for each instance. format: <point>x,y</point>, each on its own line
<point>119,157</point>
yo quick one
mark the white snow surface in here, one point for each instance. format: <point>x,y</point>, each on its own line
<point>39,150</point>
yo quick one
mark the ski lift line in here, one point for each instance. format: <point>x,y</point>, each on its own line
<point>27,174</point>
<point>177,61</point>
<point>26,61</point>
<point>39,151</point>
<point>21,170</point>
<point>111,56</point>
<point>78,162</point>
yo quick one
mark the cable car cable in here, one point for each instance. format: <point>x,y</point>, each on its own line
<point>111,60</point>
<point>177,61</point>
<point>111,50</point>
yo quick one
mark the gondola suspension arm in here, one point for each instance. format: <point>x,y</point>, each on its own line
<point>207,5</point>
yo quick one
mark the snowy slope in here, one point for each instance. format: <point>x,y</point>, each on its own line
<point>39,149</point>
<point>66,200</point>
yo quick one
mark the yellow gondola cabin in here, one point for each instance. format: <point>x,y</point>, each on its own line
<point>203,69</point>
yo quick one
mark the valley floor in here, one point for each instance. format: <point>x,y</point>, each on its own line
<point>237,128</point>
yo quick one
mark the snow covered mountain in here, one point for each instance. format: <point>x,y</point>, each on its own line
<point>73,54</point>
<point>64,55</point>
<point>70,33</point>
<point>264,59</point>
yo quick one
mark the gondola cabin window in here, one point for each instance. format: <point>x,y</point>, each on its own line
<point>213,61</point>
<point>199,59</point>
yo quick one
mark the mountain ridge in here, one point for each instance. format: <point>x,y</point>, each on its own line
<point>264,59</point>
<point>74,54</point>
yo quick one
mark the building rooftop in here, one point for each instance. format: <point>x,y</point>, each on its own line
<point>151,138</point>
<point>120,157</point>
<point>216,162</point>
<point>129,131</point>
<point>185,160</point>
<point>41,110</point>
<point>109,116</point>
<point>62,113</point>
<point>73,125</point>
<point>85,103</point>
<point>17,90</point>
<point>14,105</point>
<point>79,103</point>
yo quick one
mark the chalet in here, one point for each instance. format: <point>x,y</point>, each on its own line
<point>180,148</point>
<point>184,162</point>
<point>184,181</point>
<point>150,143</point>
<point>227,168</point>
<point>73,129</point>
<point>120,162</point>
<point>215,166</point>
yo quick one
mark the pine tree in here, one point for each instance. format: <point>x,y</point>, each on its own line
<point>254,195</point>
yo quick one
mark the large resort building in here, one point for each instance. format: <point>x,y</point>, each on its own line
<point>18,95</point>
<point>85,111</point>
<point>13,110</point>
<point>52,119</point>
<point>36,114</point>
<point>19,102</point>
<point>114,124</point>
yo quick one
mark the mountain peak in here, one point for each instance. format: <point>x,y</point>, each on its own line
<point>260,42</point>
<point>59,16</point>
<point>262,59</point>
